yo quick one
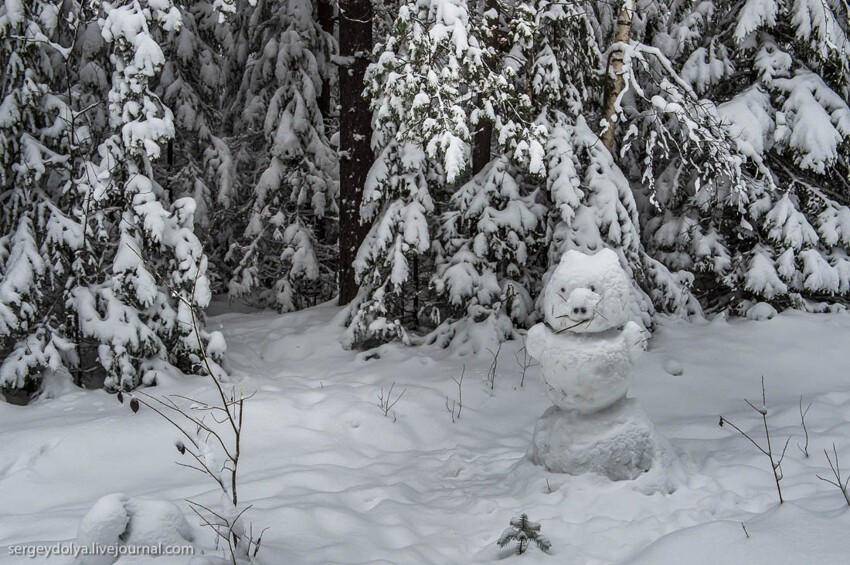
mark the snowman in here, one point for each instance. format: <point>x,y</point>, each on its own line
<point>585,348</point>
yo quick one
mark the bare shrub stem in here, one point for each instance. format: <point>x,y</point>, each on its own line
<point>491,372</point>
<point>805,448</point>
<point>525,363</point>
<point>836,472</point>
<point>385,401</point>
<point>457,405</point>
<point>775,463</point>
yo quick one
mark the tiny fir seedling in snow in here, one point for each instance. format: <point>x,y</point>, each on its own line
<point>523,531</point>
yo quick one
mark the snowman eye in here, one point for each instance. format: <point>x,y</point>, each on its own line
<point>592,288</point>
<point>563,289</point>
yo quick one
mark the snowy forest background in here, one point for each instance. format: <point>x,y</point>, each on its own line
<point>426,161</point>
<point>286,196</point>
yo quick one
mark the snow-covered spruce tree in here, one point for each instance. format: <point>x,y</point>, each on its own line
<point>551,185</point>
<point>194,85</point>
<point>93,308</point>
<point>158,283</point>
<point>35,143</point>
<point>570,194</point>
<point>390,257</point>
<point>758,206</point>
<point>593,207</point>
<point>432,256</point>
<point>284,256</point>
<point>422,139</point>
<point>493,229</point>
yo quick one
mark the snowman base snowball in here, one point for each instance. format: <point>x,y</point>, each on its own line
<point>619,442</point>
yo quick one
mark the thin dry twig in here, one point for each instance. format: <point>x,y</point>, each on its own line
<point>457,404</point>
<point>525,364</point>
<point>775,464</point>
<point>836,472</point>
<point>491,372</point>
<point>805,448</point>
<point>386,403</point>
<point>231,411</point>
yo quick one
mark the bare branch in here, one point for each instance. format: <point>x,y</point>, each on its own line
<point>491,372</point>
<point>836,472</point>
<point>775,463</point>
<point>459,402</point>
<point>385,403</point>
<point>803,413</point>
<point>526,363</point>
<point>229,412</point>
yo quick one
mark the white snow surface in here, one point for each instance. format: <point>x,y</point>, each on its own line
<point>336,481</point>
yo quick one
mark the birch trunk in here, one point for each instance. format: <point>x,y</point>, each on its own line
<point>615,72</point>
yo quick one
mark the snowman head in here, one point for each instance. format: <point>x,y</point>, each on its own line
<point>587,293</point>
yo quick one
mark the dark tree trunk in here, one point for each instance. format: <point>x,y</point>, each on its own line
<point>325,15</point>
<point>355,133</point>
<point>483,139</point>
<point>481,146</point>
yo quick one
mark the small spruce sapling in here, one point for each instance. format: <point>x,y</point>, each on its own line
<point>523,531</point>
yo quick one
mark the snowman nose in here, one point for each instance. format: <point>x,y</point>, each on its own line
<point>580,310</point>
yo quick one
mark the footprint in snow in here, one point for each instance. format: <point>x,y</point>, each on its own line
<point>28,460</point>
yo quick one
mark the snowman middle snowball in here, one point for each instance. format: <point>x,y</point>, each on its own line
<point>585,358</point>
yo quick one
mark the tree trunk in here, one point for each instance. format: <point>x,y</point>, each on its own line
<point>483,140</point>
<point>615,71</point>
<point>355,133</point>
<point>481,146</point>
<point>325,15</point>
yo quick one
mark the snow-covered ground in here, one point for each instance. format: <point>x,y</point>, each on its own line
<point>336,481</point>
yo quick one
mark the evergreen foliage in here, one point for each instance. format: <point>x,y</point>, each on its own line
<point>771,80</point>
<point>523,531</point>
<point>283,257</point>
<point>101,272</point>
<point>704,141</point>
